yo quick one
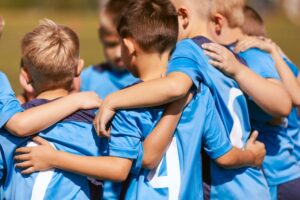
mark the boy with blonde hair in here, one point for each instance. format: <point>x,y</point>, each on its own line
<point>51,60</point>
<point>279,171</point>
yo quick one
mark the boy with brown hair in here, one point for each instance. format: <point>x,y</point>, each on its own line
<point>279,172</point>
<point>51,60</point>
<point>111,75</point>
<point>178,175</point>
<point>188,67</point>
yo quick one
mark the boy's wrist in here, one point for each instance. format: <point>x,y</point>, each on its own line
<point>239,73</point>
<point>250,157</point>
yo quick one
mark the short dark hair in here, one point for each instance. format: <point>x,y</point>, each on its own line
<point>254,24</point>
<point>153,24</point>
<point>114,8</point>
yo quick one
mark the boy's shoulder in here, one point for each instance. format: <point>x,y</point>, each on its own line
<point>141,119</point>
<point>190,48</point>
<point>84,116</point>
<point>97,68</point>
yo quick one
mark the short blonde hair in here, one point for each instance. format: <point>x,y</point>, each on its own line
<point>51,54</point>
<point>231,9</point>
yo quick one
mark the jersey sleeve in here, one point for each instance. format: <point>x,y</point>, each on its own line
<point>292,66</point>
<point>216,142</point>
<point>126,139</point>
<point>9,105</point>
<point>183,61</point>
<point>261,63</point>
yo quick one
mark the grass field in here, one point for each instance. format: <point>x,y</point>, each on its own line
<point>85,23</point>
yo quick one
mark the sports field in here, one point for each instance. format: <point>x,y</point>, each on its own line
<point>85,24</point>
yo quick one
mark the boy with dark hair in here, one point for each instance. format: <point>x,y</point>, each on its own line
<point>178,175</point>
<point>51,61</point>
<point>111,75</point>
<point>281,173</point>
<point>189,67</point>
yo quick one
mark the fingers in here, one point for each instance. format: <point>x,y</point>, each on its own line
<point>253,137</point>
<point>216,64</point>
<point>24,165</point>
<point>213,47</point>
<point>23,150</point>
<point>40,141</point>
<point>214,56</point>
<point>22,157</point>
<point>30,170</point>
<point>96,124</point>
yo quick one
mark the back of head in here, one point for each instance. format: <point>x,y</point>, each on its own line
<point>152,24</point>
<point>254,24</point>
<point>232,10</point>
<point>50,53</point>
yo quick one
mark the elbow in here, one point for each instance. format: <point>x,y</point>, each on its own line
<point>120,173</point>
<point>176,91</point>
<point>19,128</point>
<point>149,164</point>
<point>286,108</point>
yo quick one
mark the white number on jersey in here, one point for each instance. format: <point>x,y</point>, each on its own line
<point>172,180</point>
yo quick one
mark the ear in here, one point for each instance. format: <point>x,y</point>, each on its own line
<point>183,17</point>
<point>129,44</point>
<point>219,21</point>
<point>79,67</point>
<point>26,75</point>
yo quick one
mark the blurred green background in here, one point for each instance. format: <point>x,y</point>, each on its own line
<point>82,15</point>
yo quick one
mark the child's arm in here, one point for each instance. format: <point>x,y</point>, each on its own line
<point>39,118</point>
<point>264,92</point>
<point>158,140</point>
<point>288,78</point>
<point>147,94</point>
<point>44,157</point>
<point>253,155</point>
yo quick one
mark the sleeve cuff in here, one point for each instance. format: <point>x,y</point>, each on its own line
<point>220,151</point>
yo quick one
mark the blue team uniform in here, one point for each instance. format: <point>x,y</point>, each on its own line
<point>9,105</point>
<point>293,119</point>
<point>74,135</point>
<point>104,79</point>
<point>178,176</point>
<point>231,105</point>
<point>277,138</point>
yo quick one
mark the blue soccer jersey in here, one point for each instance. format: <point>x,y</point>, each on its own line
<point>231,105</point>
<point>277,139</point>
<point>293,119</point>
<point>104,80</point>
<point>9,105</point>
<point>75,134</point>
<point>178,176</point>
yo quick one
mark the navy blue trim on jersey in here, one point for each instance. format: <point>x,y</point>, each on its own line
<point>200,40</point>
<point>85,116</point>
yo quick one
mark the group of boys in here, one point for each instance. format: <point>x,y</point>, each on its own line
<point>184,125</point>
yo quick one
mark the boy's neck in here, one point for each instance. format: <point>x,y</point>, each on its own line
<point>201,30</point>
<point>53,94</point>
<point>154,66</point>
